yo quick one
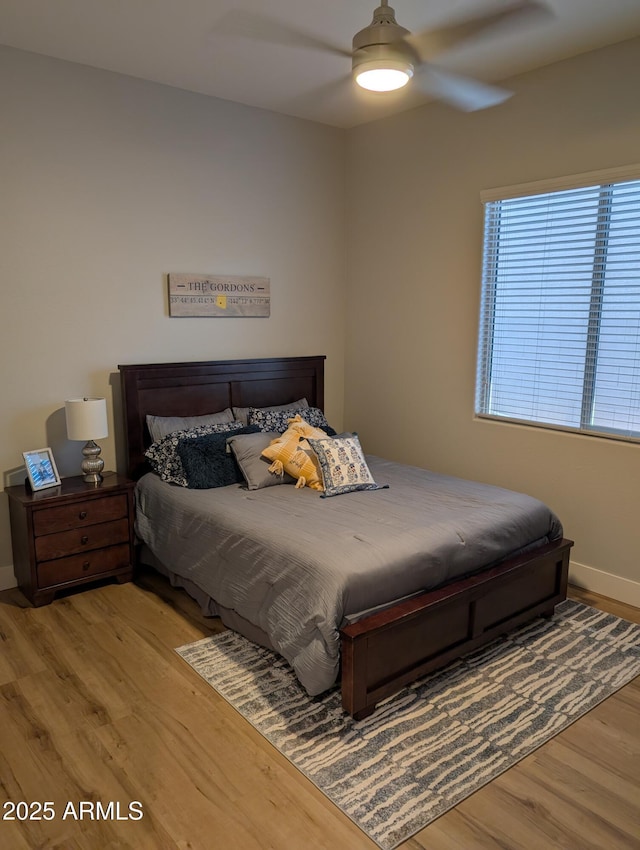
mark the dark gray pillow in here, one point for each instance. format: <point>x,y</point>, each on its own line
<point>247,449</point>
<point>163,456</point>
<point>208,463</point>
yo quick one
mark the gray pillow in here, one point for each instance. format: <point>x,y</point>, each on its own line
<point>242,413</point>
<point>247,449</point>
<point>160,426</point>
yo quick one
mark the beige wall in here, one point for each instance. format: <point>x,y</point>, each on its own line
<point>106,184</point>
<point>414,278</point>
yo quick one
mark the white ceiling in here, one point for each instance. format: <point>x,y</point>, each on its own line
<point>198,45</point>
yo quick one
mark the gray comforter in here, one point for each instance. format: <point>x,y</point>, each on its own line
<point>297,565</point>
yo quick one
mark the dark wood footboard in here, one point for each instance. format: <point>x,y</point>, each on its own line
<point>385,651</point>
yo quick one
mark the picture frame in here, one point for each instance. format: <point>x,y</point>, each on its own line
<point>41,469</point>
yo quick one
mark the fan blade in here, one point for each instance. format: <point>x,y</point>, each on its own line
<point>431,42</point>
<point>462,92</point>
<point>253,25</point>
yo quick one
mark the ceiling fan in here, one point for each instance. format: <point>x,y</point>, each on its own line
<point>386,56</point>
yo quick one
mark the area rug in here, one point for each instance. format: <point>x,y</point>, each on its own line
<point>444,737</point>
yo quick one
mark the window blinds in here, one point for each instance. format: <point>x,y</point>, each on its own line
<point>559,339</point>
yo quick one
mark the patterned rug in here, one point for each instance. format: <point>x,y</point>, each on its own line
<point>439,740</point>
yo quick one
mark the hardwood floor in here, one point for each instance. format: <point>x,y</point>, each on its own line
<point>96,707</point>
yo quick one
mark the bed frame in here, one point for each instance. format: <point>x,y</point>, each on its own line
<point>384,651</point>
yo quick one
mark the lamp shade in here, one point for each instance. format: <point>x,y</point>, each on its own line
<point>86,418</point>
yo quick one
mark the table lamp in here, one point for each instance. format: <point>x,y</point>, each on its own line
<point>87,420</point>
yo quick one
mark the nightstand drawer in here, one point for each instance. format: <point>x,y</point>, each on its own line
<point>79,514</point>
<point>82,539</point>
<point>80,566</point>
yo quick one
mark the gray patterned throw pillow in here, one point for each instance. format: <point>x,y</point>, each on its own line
<point>343,465</point>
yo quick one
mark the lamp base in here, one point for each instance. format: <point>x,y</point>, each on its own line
<point>92,465</point>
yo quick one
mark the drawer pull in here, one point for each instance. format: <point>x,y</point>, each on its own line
<point>86,565</point>
<point>82,515</point>
<point>84,539</point>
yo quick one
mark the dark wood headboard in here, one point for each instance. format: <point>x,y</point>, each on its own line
<point>192,389</point>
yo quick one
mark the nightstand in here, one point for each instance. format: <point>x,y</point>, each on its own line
<point>71,535</point>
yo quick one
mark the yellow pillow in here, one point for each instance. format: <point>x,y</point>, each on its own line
<point>290,452</point>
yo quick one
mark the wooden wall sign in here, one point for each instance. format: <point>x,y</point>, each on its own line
<point>216,296</point>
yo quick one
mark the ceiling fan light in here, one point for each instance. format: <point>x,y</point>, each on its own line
<point>383,75</point>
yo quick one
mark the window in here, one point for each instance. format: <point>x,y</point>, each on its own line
<point>560,315</point>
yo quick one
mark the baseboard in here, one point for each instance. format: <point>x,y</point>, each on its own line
<point>7,578</point>
<point>606,584</point>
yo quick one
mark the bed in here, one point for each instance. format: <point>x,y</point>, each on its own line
<point>373,633</point>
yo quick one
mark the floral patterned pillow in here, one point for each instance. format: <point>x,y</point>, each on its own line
<point>278,420</point>
<point>242,413</point>
<point>343,465</point>
<point>163,456</point>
